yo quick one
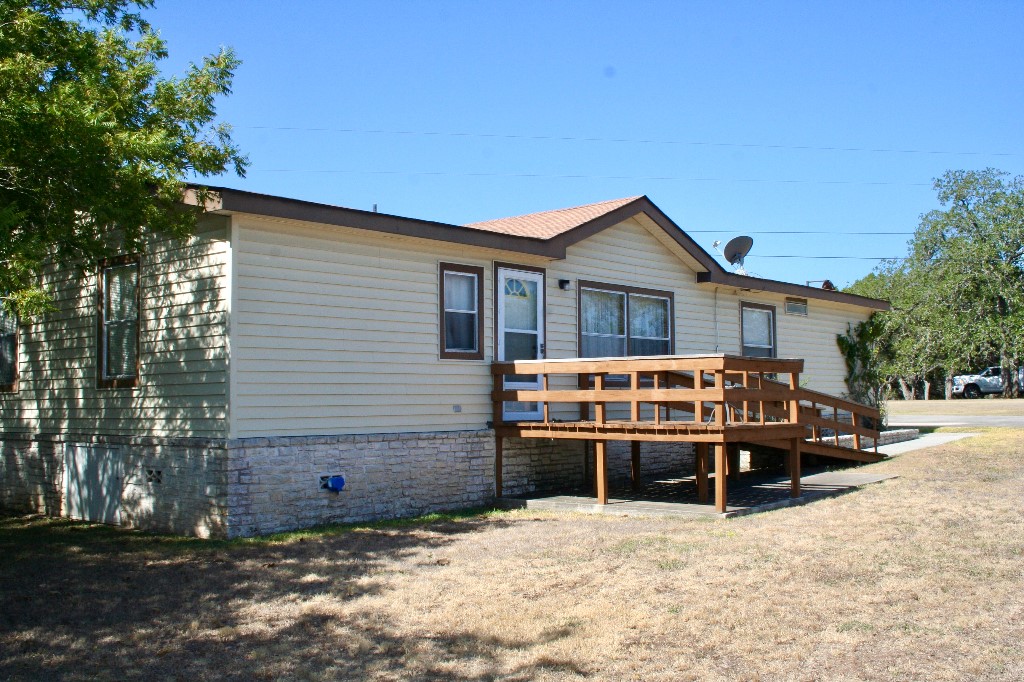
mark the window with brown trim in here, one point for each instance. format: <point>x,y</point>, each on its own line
<point>119,319</point>
<point>462,322</point>
<point>757,330</point>
<point>619,321</point>
<point>796,306</point>
<point>8,351</point>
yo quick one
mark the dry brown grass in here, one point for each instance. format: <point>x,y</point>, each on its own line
<point>917,578</point>
<point>990,407</point>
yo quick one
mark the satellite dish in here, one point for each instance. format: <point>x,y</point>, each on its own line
<point>736,250</point>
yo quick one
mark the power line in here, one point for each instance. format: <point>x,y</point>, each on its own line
<point>786,255</point>
<point>624,140</point>
<point>796,232</point>
<point>658,178</point>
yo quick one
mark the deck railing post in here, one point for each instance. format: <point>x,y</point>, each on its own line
<point>794,398</point>
<point>720,476</point>
<point>547,408</point>
<point>746,385</point>
<point>599,412</point>
<point>583,383</point>
<point>601,466</point>
<point>794,467</point>
<point>659,383</point>
<point>634,404</point>
<point>720,404</point>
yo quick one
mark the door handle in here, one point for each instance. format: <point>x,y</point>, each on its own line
<point>540,350</point>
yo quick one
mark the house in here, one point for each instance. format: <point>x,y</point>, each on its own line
<point>220,386</point>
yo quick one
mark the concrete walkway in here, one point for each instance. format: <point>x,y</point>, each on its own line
<point>928,440</point>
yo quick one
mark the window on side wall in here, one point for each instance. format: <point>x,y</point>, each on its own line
<point>758,330</point>
<point>462,324</point>
<point>119,308</point>
<point>616,321</point>
<point>8,351</point>
<point>796,306</point>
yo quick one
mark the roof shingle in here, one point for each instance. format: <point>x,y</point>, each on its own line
<point>548,224</point>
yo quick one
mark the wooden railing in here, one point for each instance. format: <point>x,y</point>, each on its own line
<point>732,390</point>
<point>663,392</point>
<point>828,413</point>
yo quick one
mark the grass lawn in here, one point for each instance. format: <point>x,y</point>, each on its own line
<point>991,407</point>
<point>917,578</point>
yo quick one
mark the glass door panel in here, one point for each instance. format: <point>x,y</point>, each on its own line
<point>520,333</point>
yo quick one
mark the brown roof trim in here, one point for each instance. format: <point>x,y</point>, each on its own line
<point>720,276</point>
<point>240,201</point>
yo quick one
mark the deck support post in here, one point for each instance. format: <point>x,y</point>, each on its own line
<point>733,460</point>
<point>701,467</point>
<point>794,467</point>
<point>634,464</point>
<point>601,465</point>
<point>720,477</point>
<point>498,447</point>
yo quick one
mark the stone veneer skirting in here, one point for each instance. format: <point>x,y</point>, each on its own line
<point>274,483</point>
<point>255,486</point>
<point>175,485</point>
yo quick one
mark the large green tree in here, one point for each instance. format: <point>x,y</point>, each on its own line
<point>96,145</point>
<point>958,299</point>
<point>975,248</point>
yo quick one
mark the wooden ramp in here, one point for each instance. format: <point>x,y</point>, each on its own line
<point>812,447</point>
<point>715,401</point>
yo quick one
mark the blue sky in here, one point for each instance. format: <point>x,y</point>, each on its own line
<point>733,117</point>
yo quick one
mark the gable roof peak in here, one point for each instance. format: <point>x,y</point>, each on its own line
<point>549,224</point>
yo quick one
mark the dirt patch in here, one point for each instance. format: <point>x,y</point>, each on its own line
<point>915,578</point>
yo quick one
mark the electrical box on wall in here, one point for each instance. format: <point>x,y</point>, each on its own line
<point>332,482</point>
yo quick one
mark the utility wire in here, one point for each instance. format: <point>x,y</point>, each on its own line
<point>622,140</point>
<point>587,177</point>
<point>795,232</point>
<point>762,255</point>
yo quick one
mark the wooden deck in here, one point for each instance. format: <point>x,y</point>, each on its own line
<point>715,401</point>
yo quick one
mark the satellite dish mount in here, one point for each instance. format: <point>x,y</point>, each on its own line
<point>736,250</point>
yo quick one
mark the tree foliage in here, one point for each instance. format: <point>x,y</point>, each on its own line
<point>958,299</point>
<point>95,145</point>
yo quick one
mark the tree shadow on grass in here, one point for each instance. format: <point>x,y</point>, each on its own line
<point>80,601</point>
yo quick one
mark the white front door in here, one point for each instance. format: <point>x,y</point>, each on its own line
<point>520,333</point>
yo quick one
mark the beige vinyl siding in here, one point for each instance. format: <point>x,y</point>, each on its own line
<point>182,387</point>
<point>336,330</point>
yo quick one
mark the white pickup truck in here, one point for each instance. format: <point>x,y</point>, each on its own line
<point>988,382</point>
